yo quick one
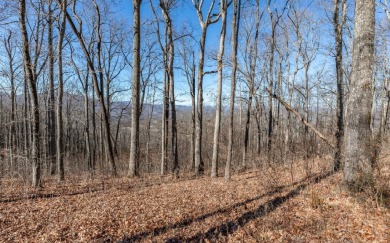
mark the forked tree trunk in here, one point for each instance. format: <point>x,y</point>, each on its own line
<point>204,22</point>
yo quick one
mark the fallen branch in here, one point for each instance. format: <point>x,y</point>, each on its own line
<point>308,124</point>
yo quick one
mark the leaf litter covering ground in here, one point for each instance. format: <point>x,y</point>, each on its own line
<point>256,206</point>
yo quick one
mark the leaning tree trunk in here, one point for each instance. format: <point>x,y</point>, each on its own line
<point>358,146</point>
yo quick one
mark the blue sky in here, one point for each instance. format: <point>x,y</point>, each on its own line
<point>185,12</point>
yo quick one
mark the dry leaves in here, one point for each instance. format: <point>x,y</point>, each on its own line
<point>247,209</point>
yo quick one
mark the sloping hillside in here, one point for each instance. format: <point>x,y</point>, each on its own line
<point>255,206</point>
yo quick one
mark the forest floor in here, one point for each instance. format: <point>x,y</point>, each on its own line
<point>264,205</point>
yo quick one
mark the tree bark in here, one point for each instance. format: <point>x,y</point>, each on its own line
<point>338,32</point>
<point>359,150</point>
<point>60,93</point>
<point>51,104</point>
<point>235,31</point>
<point>30,78</point>
<point>217,126</point>
<point>253,59</point>
<point>135,90</point>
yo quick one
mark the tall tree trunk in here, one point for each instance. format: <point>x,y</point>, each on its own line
<point>135,89</point>
<point>90,163</point>
<point>13,133</point>
<point>28,65</point>
<point>165,122</point>
<point>95,79</point>
<point>60,93</point>
<point>51,104</point>
<point>193,112</point>
<point>271,82</point>
<point>217,127</point>
<point>204,24</point>
<point>358,145</point>
<point>199,165</point>
<point>252,60</point>
<point>338,31</point>
<point>235,31</point>
<point>171,53</point>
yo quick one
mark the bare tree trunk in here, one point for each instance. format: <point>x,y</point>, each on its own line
<point>60,93</point>
<point>338,31</point>
<point>190,70</point>
<point>271,82</point>
<point>204,24</point>
<point>51,104</point>
<point>148,128</point>
<point>385,103</point>
<point>91,168</point>
<point>35,146</point>
<point>193,112</point>
<point>303,120</point>
<point>199,165</point>
<point>385,99</point>
<point>235,31</point>
<point>359,151</point>
<point>217,127</point>
<point>12,69</point>
<point>165,123</point>
<point>252,60</point>
<point>135,89</point>
<point>95,78</point>
<point>171,52</point>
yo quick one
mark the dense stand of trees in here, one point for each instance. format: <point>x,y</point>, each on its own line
<point>83,88</point>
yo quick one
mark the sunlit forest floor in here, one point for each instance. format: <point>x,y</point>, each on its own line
<point>286,203</point>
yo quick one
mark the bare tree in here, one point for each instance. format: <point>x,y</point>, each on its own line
<point>205,22</point>
<point>339,18</point>
<point>189,69</point>
<point>275,17</point>
<point>31,79</point>
<point>358,145</point>
<point>235,32</point>
<point>11,73</point>
<point>97,73</point>
<point>252,56</point>
<point>384,5</point>
<point>135,90</point>
<point>51,103</point>
<point>60,93</point>
<point>214,162</point>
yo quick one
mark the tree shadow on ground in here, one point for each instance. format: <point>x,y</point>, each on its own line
<point>99,187</point>
<point>227,228</point>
